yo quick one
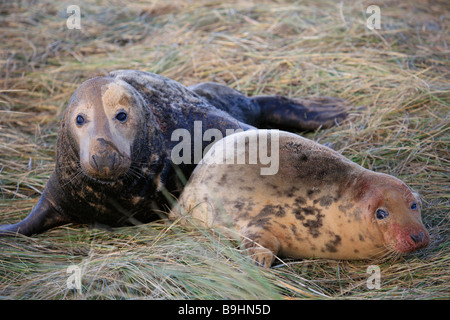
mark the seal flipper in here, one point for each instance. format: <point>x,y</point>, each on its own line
<point>274,111</point>
<point>43,217</point>
<point>301,114</point>
<point>261,245</point>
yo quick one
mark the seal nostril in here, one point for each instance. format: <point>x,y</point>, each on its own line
<point>421,236</point>
<point>95,162</point>
<point>415,238</point>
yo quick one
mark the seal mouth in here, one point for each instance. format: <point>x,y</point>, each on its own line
<point>102,181</point>
<point>106,182</point>
<point>105,176</point>
<point>411,241</point>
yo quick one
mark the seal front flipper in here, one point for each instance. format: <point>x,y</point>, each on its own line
<point>301,114</point>
<point>43,217</point>
<point>261,245</point>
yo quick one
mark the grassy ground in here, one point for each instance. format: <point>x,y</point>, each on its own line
<point>400,73</point>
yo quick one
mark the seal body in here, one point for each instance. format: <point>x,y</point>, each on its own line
<point>317,204</point>
<point>115,150</point>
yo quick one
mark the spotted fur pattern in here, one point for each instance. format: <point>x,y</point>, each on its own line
<point>319,204</point>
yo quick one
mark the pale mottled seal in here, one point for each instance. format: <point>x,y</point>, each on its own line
<point>113,162</point>
<point>318,203</point>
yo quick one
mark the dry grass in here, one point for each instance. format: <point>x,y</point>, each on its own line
<point>399,73</point>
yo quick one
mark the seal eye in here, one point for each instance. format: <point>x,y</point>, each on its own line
<point>80,120</point>
<point>414,206</point>
<point>381,214</point>
<point>122,116</point>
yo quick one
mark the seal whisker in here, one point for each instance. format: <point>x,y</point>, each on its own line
<point>131,174</point>
<point>388,253</point>
<point>76,177</point>
<point>134,172</point>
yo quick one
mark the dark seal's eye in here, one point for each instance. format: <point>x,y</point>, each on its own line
<point>80,120</point>
<point>122,116</point>
<point>381,214</point>
<point>414,206</point>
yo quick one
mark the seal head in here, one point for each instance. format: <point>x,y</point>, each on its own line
<point>104,127</point>
<point>395,210</point>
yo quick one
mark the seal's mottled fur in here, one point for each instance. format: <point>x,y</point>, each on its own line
<point>318,204</point>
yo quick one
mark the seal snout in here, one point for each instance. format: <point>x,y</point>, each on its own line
<point>412,240</point>
<point>106,162</point>
<point>417,238</point>
<point>420,240</point>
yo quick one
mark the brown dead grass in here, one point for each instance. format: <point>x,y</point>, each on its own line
<point>399,73</point>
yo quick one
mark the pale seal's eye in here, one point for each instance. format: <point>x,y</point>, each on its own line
<point>122,116</point>
<point>414,206</point>
<point>80,120</point>
<point>381,214</point>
